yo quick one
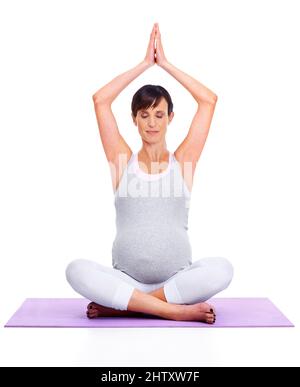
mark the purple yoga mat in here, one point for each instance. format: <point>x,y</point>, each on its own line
<point>71,312</point>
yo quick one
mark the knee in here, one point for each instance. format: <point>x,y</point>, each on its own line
<point>74,269</point>
<point>226,271</point>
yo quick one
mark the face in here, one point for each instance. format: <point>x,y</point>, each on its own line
<point>152,123</point>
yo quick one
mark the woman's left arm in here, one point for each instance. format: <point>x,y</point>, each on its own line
<point>190,149</point>
<point>201,93</point>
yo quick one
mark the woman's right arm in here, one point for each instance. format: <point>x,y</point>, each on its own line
<point>107,93</point>
<point>116,150</point>
<point>113,142</point>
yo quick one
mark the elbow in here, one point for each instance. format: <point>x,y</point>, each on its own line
<point>96,98</point>
<point>214,99</point>
<point>101,99</point>
<point>210,99</point>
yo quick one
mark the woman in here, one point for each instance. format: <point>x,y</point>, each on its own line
<point>153,272</point>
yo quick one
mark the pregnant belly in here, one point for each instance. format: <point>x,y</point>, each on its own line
<point>151,256</point>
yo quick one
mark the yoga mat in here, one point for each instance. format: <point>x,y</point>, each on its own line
<point>71,313</point>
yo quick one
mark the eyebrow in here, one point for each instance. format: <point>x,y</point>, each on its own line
<point>158,111</point>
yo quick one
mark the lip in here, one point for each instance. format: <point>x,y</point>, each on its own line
<point>152,131</point>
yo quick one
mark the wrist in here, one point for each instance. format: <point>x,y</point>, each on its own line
<point>147,64</point>
<point>164,64</point>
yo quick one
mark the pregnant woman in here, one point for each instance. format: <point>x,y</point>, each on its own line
<point>153,273</point>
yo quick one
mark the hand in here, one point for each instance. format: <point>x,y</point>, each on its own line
<point>160,57</point>
<point>149,58</point>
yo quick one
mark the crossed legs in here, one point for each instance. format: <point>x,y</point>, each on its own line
<point>181,297</point>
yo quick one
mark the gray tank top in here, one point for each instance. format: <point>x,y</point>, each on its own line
<point>151,243</point>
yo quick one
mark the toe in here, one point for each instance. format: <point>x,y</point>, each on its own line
<point>92,314</point>
<point>210,314</point>
<point>212,309</point>
<point>210,317</point>
<point>91,305</point>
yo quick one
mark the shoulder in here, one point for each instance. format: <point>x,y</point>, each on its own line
<point>187,167</point>
<point>118,166</point>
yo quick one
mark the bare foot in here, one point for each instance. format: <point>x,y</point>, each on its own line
<point>96,310</point>
<point>201,311</point>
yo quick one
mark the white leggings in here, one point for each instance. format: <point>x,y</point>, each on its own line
<point>113,288</point>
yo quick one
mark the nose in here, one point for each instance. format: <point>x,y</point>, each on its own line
<point>151,122</point>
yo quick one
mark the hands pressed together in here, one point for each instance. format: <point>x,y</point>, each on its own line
<point>155,54</point>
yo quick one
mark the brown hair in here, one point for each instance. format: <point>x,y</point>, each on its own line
<point>148,95</point>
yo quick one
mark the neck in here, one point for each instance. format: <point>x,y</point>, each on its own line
<point>153,152</point>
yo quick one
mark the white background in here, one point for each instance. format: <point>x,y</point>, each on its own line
<point>56,198</point>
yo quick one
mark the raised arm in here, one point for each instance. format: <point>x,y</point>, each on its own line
<point>107,93</point>
<point>191,147</point>
<point>113,142</point>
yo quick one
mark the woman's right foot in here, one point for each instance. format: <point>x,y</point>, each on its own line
<point>201,311</point>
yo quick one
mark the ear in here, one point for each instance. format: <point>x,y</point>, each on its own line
<point>171,117</point>
<point>133,119</point>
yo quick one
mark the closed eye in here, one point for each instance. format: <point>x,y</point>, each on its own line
<point>156,116</point>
